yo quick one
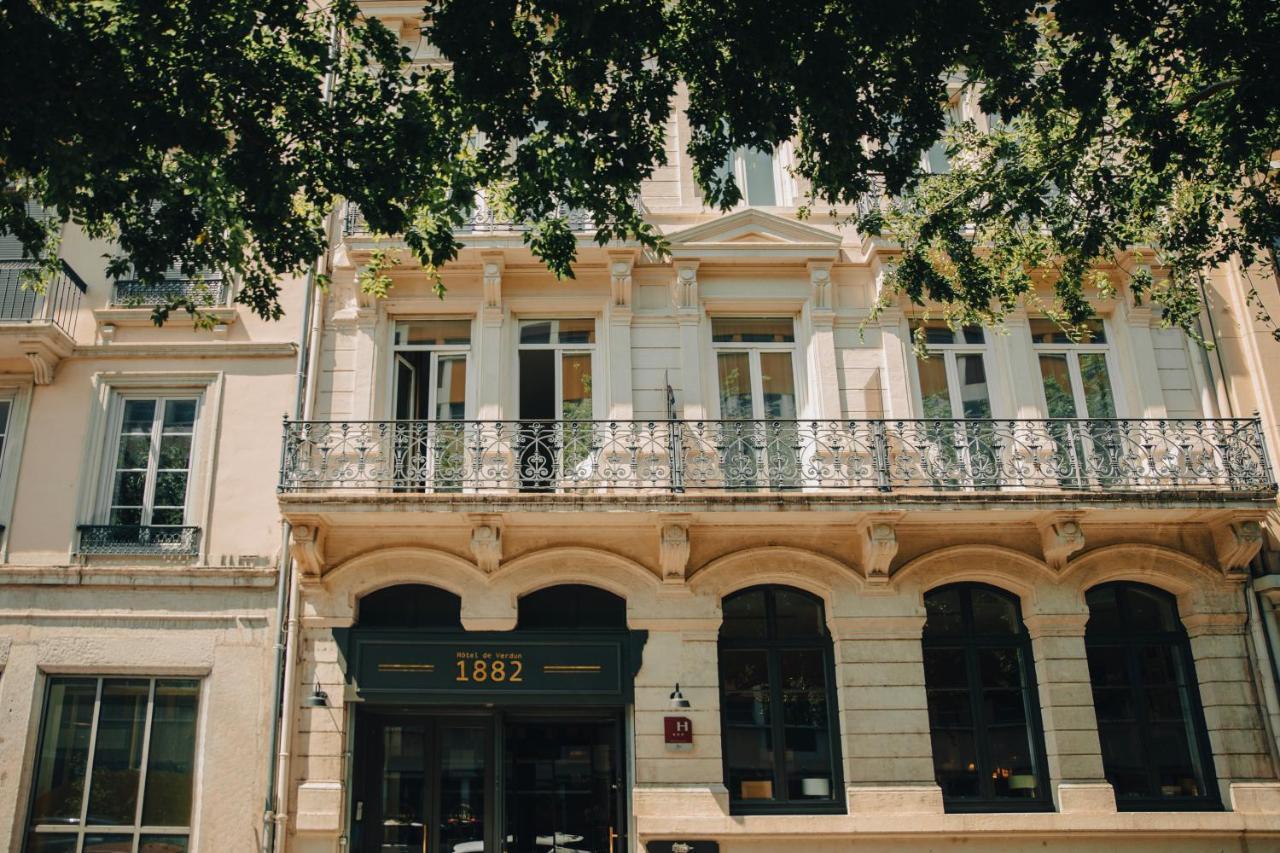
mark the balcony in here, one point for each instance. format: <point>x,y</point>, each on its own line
<point>57,305</point>
<point>126,540</point>
<point>38,326</point>
<point>482,220</point>
<point>1021,460</point>
<point>131,293</point>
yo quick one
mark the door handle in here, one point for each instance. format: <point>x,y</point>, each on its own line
<point>613,837</point>
<point>359,810</point>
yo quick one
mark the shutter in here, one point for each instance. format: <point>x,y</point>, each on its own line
<point>10,245</point>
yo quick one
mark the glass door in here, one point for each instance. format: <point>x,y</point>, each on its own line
<point>423,784</point>
<point>758,405</point>
<point>955,404</point>
<point>430,398</point>
<point>563,783</point>
<point>556,405</point>
<point>1077,389</point>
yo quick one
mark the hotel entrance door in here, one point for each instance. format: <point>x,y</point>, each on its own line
<point>428,782</point>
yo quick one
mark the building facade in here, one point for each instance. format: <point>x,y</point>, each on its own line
<point>691,553</point>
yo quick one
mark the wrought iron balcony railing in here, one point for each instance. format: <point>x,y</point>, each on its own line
<point>57,304</point>
<point>122,540</point>
<point>131,293</point>
<point>482,220</point>
<point>1088,456</point>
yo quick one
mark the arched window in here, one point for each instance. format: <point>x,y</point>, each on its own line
<point>410,605</point>
<point>780,738</point>
<point>984,716</point>
<point>570,607</point>
<point>1155,750</point>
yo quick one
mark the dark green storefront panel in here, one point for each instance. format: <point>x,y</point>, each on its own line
<point>508,668</point>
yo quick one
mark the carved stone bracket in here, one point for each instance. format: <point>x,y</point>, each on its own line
<point>673,549</point>
<point>877,545</point>
<point>820,283</point>
<point>620,267</point>
<point>1060,536</point>
<point>1235,543</point>
<point>41,368</point>
<point>684,289</point>
<point>308,547</point>
<point>486,542</point>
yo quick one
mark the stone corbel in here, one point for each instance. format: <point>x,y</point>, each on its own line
<point>41,367</point>
<point>1060,536</point>
<point>620,268</point>
<point>1235,543</point>
<point>486,542</point>
<point>877,545</point>
<point>492,275</point>
<point>673,549</point>
<point>308,547</point>
<point>820,285</point>
<point>684,289</point>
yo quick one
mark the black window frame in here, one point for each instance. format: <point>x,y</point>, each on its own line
<point>970,642</point>
<point>773,648</point>
<point>1179,642</point>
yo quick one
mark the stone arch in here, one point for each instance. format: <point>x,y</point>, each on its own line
<point>1199,588</point>
<point>775,564</point>
<point>1003,568</point>
<point>373,570</point>
<point>554,566</point>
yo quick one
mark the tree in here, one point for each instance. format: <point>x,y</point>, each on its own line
<point>201,130</point>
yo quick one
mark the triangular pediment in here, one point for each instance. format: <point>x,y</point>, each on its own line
<point>754,235</point>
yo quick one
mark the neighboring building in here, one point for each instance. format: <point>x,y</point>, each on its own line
<point>690,549</point>
<point>139,561</point>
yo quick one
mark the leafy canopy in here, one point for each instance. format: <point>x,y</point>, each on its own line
<point>220,133</point>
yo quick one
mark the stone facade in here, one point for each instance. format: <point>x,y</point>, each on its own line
<point>627,510</point>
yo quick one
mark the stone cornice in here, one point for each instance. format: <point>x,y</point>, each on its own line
<point>222,349</point>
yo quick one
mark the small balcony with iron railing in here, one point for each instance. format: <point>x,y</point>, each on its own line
<point>38,313</point>
<point>204,291</point>
<point>480,220</point>
<point>132,540</point>
<point>880,460</point>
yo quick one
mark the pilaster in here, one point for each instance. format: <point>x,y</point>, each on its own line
<point>621,403</point>
<point>488,349</point>
<point>688,310</point>
<point>821,355</point>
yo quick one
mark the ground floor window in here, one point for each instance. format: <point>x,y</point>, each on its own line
<point>116,766</point>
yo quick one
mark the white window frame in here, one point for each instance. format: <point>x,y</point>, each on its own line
<point>949,353</point>
<point>436,350</point>
<point>17,392</point>
<point>753,350</point>
<point>98,462</point>
<point>562,350</point>
<point>105,502</point>
<point>136,830</point>
<point>1072,351</point>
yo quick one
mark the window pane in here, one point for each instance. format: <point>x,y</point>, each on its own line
<point>935,332</point>
<point>745,615</point>
<point>994,613</point>
<point>1104,609</point>
<point>433,332</point>
<point>758,171</point>
<point>945,668</point>
<point>139,415</point>
<point>179,416</point>
<point>1098,401</point>
<point>535,332</point>
<point>1045,331</point>
<point>103,843</point>
<point>1056,377</point>
<point>64,751</point>
<point>135,450</point>
<point>175,451</point>
<point>749,758</point>
<point>171,756</point>
<point>129,489</point>
<point>735,385</point>
<point>934,394</point>
<point>117,759</point>
<point>955,762</point>
<point>163,844</point>
<point>744,677</point>
<point>171,488</point>
<point>451,387</point>
<point>779,383</point>
<point>973,386</point>
<point>797,615</point>
<point>1013,770</point>
<point>1000,668</point>
<point>1148,609</point>
<point>808,763</point>
<point>577,331</point>
<point>936,160</point>
<point>776,330</point>
<point>42,843</point>
<point>576,387</point>
<point>944,613</point>
<point>804,688</point>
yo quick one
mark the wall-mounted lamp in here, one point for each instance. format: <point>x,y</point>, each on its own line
<point>678,702</point>
<point>317,699</point>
